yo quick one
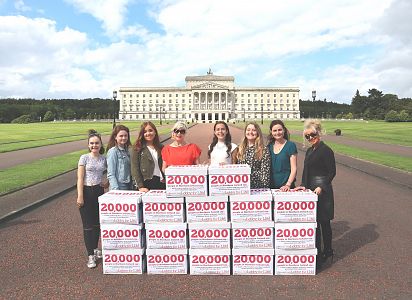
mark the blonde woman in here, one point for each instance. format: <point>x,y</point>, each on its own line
<point>253,152</point>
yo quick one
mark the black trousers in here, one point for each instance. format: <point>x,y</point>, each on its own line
<point>89,213</point>
<point>324,233</point>
<point>154,184</point>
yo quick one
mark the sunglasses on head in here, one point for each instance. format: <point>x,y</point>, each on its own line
<point>181,131</point>
<point>311,135</point>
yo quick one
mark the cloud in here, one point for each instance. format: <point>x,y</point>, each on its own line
<point>20,6</point>
<point>110,12</point>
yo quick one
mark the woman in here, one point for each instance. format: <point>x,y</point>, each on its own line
<point>180,153</point>
<point>251,151</point>
<point>283,154</point>
<point>221,148</point>
<point>146,159</point>
<point>318,172</point>
<point>118,159</point>
<point>90,185</point>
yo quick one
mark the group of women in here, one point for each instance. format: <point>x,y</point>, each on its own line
<point>141,166</point>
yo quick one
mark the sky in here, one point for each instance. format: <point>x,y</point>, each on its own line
<point>87,48</point>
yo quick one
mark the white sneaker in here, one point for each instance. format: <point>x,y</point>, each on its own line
<point>92,262</point>
<point>98,254</point>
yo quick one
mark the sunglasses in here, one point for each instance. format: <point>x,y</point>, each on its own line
<point>181,131</point>
<point>311,135</point>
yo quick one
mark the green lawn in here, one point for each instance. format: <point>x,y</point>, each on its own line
<point>23,136</point>
<point>40,170</point>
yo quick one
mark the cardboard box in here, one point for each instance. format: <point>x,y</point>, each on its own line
<point>207,209</point>
<point>209,235</point>
<point>229,180</point>
<point>295,235</point>
<point>166,236</point>
<point>209,262</point>
<point>121,236</point>
<point>253,235</point>
<point>252,261</point>
<point>123,261</point>
<point>166,261</point>
<point>295,262</point>
<point>297,206</point>
<point>184,181</point>
<point>157,208</point>
<point>120,207</point>
<point>251,208</point>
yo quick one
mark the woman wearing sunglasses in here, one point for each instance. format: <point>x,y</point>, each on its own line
<point>318,172</point>
<point>146,159</point>
<point>179,152</point>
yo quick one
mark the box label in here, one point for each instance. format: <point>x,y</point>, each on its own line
<point>216,238</point>
<point>127,261</point>
<point>295,264</point>
<point>252,264</point>
<point>167,263</point>
<point>295,236</point>
<point>207,212</point>
<point>295,211</point>
<point>229,184</point>
<point>162,212</point>
<point>119,236</point>
<point>166,238</point>
<point>210,264</point>
<point>250,211</point>
<point>124,211</point>
<point>186,185</point>
<point>252,238</point>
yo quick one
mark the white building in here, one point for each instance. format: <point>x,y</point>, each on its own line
<point>208,98</point>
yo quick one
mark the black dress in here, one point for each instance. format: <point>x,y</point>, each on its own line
<point>319,170</point>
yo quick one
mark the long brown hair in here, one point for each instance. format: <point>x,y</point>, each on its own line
<point>141,142</point>
<point>259,146</point>
<point>271,139</point>
<point>228,139</point>
<point>112,140</point>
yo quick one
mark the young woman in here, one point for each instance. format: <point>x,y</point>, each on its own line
<point>146,159</point>
<point>251,151</point>
<point>118,159</point>
<point>179,152</point>
<point>283,154</point>
<point>221,148</point>
<point>318,172</point>
<point>90,185</point>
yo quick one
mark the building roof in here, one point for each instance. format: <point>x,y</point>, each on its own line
<point>210,77</point>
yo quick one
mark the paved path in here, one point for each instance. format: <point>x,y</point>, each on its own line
<point>42,253</point>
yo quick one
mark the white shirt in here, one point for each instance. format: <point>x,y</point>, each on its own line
<point>155,156</point>
<point>219,154</point>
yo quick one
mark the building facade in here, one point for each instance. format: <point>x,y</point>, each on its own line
<point>208,98</point>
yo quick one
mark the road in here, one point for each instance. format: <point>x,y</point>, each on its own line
<point>42,252</point>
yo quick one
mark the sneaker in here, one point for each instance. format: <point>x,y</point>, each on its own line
<point>98,254</point>
<point>92,262</point>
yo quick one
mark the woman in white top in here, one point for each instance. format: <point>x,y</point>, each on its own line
<point>221,148</point>
<point>90,185</point>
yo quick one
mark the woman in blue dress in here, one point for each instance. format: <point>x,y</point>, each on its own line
<point>283,154</point>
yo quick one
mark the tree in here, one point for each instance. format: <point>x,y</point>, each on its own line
<point>48,116</point>
<point>23,119</point>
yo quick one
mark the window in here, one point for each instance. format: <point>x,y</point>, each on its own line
<point>137,95</point>
<point>130,95</point>
<point>281,95</point>
<point>287,95</point>
<point>150,95</point>
<point>144,95</point>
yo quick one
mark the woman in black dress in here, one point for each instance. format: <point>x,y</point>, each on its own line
<point>318,172</point>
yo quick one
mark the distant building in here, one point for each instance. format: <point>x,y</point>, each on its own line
<point>208,98</point>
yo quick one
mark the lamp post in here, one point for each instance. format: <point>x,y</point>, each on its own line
<point>114,108</point>
<point>244,114</point>
<point>261,114</point>
<point>177,114</point>
<point>160,115</point>
<point>314,107</point>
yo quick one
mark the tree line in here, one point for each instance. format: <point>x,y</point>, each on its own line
<point>374,106</point>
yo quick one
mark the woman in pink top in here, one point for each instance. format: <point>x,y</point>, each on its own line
<point>180,153</point>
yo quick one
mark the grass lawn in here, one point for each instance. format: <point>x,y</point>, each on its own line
<point>23,136</point>
<point>399,133</point>
<point>40,170</point>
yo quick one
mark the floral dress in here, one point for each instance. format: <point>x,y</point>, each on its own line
<point>260,169</point>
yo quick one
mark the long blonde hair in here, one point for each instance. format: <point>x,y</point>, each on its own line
<point>259,146</point>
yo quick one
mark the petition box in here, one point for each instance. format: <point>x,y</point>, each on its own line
<point>209,262</point>
<point>299,206</point>
<point>251,208</point>
<point>253,235</point>
<point>207,209</point>
<point>121,236</point>
<point>166,261</point>
<point>252,261</point>
<point>209,235</point>
<point>123,261</point>
<point>184,181</point>
<point>118,206</point>
<point>295,262</point>
<point>230,179</point>
<point>295,235</point>
<point>166,236</point>
<point>157,208</point>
